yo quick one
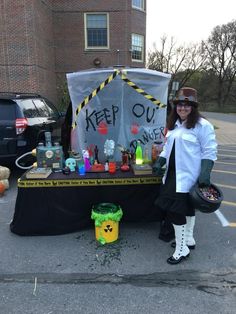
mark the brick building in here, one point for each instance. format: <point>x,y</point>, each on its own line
<point>41,40</point>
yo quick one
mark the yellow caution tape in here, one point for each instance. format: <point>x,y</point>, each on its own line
<point>105,83</point>
<point>142,92</point>
<point>93,94</point>
<point>87,182</point>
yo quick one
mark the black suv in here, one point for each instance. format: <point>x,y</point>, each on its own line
<point>24,118</point>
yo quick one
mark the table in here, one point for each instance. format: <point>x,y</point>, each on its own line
<point>62,203</point>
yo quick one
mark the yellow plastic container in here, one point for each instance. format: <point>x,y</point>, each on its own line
<point>107,217</point>
<point>109,231</point>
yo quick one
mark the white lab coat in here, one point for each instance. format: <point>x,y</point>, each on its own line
<point>191,146</point>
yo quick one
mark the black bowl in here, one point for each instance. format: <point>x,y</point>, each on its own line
<point>203,203</point>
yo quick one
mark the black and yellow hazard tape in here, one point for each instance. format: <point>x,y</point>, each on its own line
<point>142,92</point>
<point>87,182</point>
<point>93,94</point>
<point>105,83</point>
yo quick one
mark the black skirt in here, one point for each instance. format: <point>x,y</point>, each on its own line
<point>169,199</point>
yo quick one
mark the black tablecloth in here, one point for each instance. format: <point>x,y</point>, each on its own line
<point>62,204</point>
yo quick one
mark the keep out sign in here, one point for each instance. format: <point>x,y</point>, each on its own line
<point>122,105</point>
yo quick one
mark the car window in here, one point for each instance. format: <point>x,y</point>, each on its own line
<point>42,108</point>
<point>7,110</point>
<point>29,109</point>
<point>52,109</point>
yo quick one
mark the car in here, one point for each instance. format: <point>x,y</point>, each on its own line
<point>24,119</point>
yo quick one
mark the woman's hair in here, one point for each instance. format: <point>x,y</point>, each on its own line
<point>191,121</point>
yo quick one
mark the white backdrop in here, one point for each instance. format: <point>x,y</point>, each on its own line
<point>117,111</point>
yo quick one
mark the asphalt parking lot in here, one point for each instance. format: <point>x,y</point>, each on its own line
<point>72,273</point>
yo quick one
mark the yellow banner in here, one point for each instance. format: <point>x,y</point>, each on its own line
<point>87,182</point>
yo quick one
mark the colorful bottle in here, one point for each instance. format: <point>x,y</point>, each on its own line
<point>145,156</point>
<point>138,154</point>
<point>154,153</point>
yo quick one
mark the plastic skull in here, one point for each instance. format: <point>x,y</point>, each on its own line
<point>71,163</point>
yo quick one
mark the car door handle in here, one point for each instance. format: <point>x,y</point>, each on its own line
<point>9,127</point>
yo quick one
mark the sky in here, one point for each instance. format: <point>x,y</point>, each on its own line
<point>186,20</point>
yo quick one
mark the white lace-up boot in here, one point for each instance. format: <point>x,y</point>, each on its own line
<point>181,249</point>
<point>189,232</point>
<point>190,242</point>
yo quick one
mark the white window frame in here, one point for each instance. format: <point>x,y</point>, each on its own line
<point>142,38</point>
<point>86,35</point>
<point>139,7</point>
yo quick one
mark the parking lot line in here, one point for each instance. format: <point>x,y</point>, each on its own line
<point>225,163</point>
<point>226,186</point>
<point>224,171</point>
<point>232,156</point>
<point>222,219</point>
<point>227,150</point>
<point>228,203</point>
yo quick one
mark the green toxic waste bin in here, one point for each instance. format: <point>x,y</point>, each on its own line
<point>106,217</point>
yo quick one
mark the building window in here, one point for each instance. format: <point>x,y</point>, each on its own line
<point>138,4</point>
<point>96,30</point>
<point>137,47</point>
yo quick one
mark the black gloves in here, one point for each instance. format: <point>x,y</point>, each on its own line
<point>157,167</point>
<point>204,177</point>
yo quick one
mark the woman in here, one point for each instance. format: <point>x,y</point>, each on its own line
<point>189,154</point>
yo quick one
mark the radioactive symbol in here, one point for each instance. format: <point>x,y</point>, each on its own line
<point>108,228</point>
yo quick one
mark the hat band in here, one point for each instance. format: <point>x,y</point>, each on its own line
<point>189,98</point>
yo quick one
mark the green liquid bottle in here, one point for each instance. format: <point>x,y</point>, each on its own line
<point>138,154</point>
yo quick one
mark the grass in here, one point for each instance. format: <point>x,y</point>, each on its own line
<point>211,107</point>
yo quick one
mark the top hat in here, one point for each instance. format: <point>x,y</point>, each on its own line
<point>186,94</point>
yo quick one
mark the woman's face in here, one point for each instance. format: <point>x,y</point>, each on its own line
<point>183,110</point>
